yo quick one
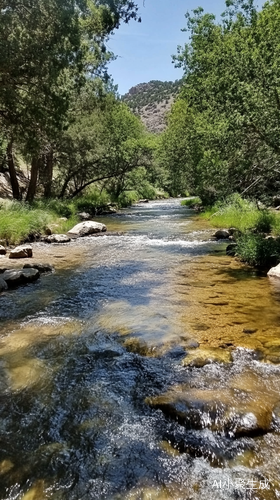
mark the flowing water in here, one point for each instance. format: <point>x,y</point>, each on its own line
<point>146,367</point>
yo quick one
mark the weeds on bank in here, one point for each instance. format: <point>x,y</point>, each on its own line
<point>191,201</point>
<point>254,224</point>
<point>18,220</point>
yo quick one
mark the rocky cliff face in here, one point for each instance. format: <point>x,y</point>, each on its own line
<point>152,101</point>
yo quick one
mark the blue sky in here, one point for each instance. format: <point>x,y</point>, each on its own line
<point>144,49</point>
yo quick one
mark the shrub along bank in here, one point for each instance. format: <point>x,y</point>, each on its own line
<point>258,235</point>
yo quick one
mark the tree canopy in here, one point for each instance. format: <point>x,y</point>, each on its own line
<point>223,133</point>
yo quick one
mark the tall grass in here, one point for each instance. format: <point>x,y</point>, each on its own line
<point>243,215</point>
<point>18,221</point>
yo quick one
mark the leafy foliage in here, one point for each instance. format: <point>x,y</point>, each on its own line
<point>223,133</point>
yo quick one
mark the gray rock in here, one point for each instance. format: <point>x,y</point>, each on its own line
<point>274,272</point>
<point>57,238</point>
<point>3,285</point>
<point>222,234</point>
<point>29,275</point>
<point>86,228</point>
<point>21,252</point>
<point>2,250</point>
<point>42,268</point>
<point>13,277</point>
<point>231,249</point>
<point>84,216</point>
<point>143,201</point>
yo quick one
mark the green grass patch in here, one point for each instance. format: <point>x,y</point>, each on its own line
<point>18,220</point>
<point>242,214</point>
<point>191,201</point>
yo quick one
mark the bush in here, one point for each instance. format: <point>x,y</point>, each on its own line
<point>258,251</point>
<point>265,221</point>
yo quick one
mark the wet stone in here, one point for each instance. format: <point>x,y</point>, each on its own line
<point>2,250</point>
<point>42,268</point>
<point>214,410</point>
<point>3,285</point>
<point>86,228</point>
<point>57,238</point>
<point>201,357</point>
<point>15,277</point>
<point>29,275</point>
<point>222,234</point>
<point>21,252</point>
<point>231,249</point>
<point>249,331</point>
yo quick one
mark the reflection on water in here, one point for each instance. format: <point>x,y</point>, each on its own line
<point>147,367</point>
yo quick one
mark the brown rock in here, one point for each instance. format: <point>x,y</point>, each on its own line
<point>21,252</point>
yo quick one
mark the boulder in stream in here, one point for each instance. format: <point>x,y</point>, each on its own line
<point>222,234</point>
<point>2,250</point>
<point>274,272</point>
<point>14,277</point>
<point>21,252</point>
<point>57,238</point>
<point>220,411</point>
<point>86,228</point>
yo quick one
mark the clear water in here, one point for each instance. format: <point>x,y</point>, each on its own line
<point>82,349</point>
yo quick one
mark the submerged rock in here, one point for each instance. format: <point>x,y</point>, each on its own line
<point>206,356</point>
<point>21,252</point>
<point>86,228</point>
<point>3,285</point>
<point>218,411</point>
<point>57,238</point>
<point>42,268</point>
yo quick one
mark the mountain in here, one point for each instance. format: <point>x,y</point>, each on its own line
<point>151,101</point>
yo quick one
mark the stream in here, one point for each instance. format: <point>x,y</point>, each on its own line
<point>147,367</point>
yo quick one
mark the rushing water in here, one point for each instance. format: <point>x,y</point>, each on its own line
<point>95,357</point>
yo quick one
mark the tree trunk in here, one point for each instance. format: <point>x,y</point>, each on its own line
<point>12,171</point>
<point>48,175</point>
<point>33,180</point>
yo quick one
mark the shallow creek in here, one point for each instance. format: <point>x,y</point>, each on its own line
<point>146,367</point>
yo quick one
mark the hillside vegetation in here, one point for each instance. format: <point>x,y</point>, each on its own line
<point>151,101</point>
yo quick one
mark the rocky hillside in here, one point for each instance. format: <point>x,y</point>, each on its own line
<point>151,101</point>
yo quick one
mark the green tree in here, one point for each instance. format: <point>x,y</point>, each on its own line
<point>231,93</point>
<point>47,48</point>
